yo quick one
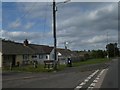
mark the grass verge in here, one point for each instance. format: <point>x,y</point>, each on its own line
<point>91,61</point>
<point>30,68</point>
<point>40,67</point>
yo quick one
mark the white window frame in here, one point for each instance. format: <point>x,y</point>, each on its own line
<point>40,56</point>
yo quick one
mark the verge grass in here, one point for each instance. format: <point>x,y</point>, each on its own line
<point>40,67</point>
<point>91,61</point>
<point>30,68</point>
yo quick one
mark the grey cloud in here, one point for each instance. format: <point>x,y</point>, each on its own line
<point>89,24</point>
<point>18,36</point>
<point>85,25</point>
<point>102,18</point>
<point>35,9</point>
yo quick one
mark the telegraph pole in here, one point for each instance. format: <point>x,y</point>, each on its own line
<point>107,47</point>
<point>54,32</point>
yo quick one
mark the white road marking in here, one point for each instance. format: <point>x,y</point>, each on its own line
<point>89,88</point>
<point>89,77</point>
<point>96,80</point>
<point>79,87</point>
<point>92,84</point>
<point>99,83</point>
<point>86,80</point>
<point>92,75</point>
<point>98,76</point>
<point>82,83</point>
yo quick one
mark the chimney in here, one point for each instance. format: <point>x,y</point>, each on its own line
<point>25,43</point>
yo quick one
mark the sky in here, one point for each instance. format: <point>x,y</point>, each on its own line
<point>84,25</point>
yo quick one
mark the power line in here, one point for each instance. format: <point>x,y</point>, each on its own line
<point>45,22</point>
<point>25,14</point>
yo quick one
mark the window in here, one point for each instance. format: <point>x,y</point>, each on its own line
<point>40,56</point>
<point>25,57</point>
<point>34,56</point>
<point>46,57</point>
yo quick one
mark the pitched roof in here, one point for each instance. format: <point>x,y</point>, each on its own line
<point>10,47</point>
<point>64,52</point>
<point>68,52</point>
<point>13,48</point>
<point>41,49</point>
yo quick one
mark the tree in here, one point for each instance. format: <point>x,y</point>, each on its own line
<point>86,56</point>
<point>98,54</point>
<point>112,50</point>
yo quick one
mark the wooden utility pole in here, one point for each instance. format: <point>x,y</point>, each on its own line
<point>107,47</point>
<point>54,32</point>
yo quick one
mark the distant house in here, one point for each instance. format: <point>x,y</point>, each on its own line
<point>63,55</point>
<point>25,53</point>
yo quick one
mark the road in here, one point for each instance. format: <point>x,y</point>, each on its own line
<point>111,78</point>
<point>52,80</point>
<point>71,77</point>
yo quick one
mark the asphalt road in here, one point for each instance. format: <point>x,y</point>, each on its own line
<point>69,78</point>
<point>111,78</point>
<point>52,80</point>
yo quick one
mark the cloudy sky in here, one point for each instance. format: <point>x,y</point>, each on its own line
<point>84,25</point>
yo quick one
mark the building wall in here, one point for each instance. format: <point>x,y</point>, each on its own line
<point>19,58</point>
<point>6,60</point>
<point>42,58</point>
<point>62,60</point>
<point>52,55</point>
<point>30,58</point>
<point>60,57</point>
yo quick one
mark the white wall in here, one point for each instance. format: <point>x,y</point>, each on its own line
<point>19,58</point>
<point>51,55</point>
<point>41,60</point>
<point>62,60</point>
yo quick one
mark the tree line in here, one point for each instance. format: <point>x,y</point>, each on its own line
<point>112,50</point>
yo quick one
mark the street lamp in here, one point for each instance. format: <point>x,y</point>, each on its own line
<point>66,43</point>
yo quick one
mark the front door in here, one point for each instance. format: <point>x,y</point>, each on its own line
<point>13,60</point>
